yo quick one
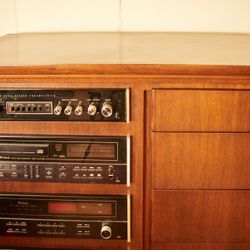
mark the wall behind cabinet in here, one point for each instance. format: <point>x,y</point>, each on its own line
<point>124,15</point>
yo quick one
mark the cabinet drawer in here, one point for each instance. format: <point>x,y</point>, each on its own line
<point>201,160</point>
<point>201,216</point>
<point>201,110</point>
<point>200,246</point>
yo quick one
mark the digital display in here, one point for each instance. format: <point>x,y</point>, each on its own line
<point>92,151</point>
<point>24,149</point>
<point>81,208</point>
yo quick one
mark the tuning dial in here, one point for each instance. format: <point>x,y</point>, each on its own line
<point>68,109</point>
<point>107,109</point>
<point>106,232</point>
<point>78,110</point>
<point>92,109</point>
<point>58,109</point>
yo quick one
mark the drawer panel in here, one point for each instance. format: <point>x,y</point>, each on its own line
<point>201,160</point>
<point>201,110</point>
<point>201,216</point>
<point>200,246</point>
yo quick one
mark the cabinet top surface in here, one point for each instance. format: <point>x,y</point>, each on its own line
<point>123,49</point>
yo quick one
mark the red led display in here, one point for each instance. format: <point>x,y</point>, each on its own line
<point>81,208</point>
<point>62,208</point>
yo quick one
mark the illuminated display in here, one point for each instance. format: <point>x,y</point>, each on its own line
<point>81,208</point>
<point>92,150</point>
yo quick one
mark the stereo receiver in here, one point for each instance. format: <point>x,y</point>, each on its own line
<point>65,159</point>
<point>65,216</point>
<point>65,105</point>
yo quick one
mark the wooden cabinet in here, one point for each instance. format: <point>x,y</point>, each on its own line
<point>200,246</point>
<point>201,216</point>
<point>189,128</point>
<point>200,169</point>
<point>201,110</point>
<point>201,160</point>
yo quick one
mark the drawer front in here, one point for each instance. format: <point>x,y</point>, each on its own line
<point>200,246</point>
<point>201,160</point>
<point>201,216</point>
<point>201,110</point>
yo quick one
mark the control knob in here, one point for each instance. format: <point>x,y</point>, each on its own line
<point>68,109</point>
<point>78,110</point>
<point>58,109</point>
<point>106,232</point>
<point>107,109</point>
<point>92,109</point>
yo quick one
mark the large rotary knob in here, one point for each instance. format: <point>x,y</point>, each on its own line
<point>106,232</point>
<point>107,109</point>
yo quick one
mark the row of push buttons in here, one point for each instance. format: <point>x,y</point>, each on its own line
<point>16,223</point>
<point>87,168</point>
<point>83,229</point>
<point>16,227</point>
<point>51,232</point>
<point>48,225</point>
<point>87,176</point>
<point>16,231</point>
<point>46,228</point>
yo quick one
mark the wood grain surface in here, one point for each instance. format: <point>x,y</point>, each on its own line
<point>201,216</point>
<point>201,160</point>
<point>57,243</point>
<point>125,53</point>
<point>199,110</point>
<point>200,246</point>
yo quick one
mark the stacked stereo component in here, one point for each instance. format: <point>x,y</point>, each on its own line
<point>65,159</point>
<point>65,105</point>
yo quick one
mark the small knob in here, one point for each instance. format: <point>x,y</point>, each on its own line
<point>107,109</point>
<point>106,232</point>
<point>68,110</point>
<point>92,109</point>
<point>78,110</point>
<point>58,109</point>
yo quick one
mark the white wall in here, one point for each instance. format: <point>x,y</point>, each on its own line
<point>187,15</point>
<point>124,15</point>
<point>7,17</point>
